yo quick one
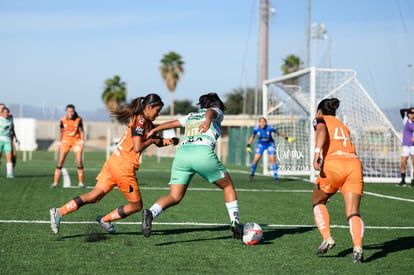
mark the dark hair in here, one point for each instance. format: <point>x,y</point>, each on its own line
<point>328,106</point>
<point>210,100</point>
<point>136,107</point>
<point>75,115</point>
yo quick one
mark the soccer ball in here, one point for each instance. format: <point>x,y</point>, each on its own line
<point>252,233</point>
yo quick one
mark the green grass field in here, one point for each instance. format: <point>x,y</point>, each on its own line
<point>193,237</point>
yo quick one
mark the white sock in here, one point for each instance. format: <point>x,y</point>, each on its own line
<point>156,210</point>
<point>9,167</point>
<point>233,209</point>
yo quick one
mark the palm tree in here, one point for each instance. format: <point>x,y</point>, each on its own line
<point>171,68</point>
<point>292,63</point>
<point>114,94</point>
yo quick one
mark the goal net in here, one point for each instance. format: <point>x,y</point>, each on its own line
<point>289,104</point>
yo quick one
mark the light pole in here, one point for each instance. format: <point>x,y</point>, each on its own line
<point>409,86</point>
<point>318,31</point>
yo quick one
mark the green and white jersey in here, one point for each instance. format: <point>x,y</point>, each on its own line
<point>192,122</point>
<point>6,126</point>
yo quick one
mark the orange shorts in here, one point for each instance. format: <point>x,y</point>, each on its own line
<point>341,174</point>
<point>121,173</point>
<point>68,143</point>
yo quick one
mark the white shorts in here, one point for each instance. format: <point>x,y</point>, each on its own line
<point>407,151</point>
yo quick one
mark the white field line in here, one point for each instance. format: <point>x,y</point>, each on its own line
<point>209,224</point>
<point>265,191</point>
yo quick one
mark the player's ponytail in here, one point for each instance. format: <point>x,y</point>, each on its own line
<point>136,107</point>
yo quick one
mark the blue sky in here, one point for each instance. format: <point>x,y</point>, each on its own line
<point>58,52</point>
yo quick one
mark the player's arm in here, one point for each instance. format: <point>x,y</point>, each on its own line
<point>61,132</point>
<point>166,125</point>
<point>211,114</point>
<point>321,135</point>
<point>81,131</point>
<point>403,112</point>
<point>289,139</point>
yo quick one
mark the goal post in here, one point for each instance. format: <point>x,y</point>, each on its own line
<point>289,104</point>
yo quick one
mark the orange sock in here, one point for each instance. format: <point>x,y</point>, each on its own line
<point>57,175</point>
<point>356,228</point>
<point>114,215</point>
<point>69,207</point>
<point>80,175</point>
<point>322,220</point>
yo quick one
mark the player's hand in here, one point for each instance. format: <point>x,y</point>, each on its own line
<point>248,149</point>
<point>291,139</point>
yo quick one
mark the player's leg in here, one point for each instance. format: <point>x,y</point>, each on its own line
<point>74,204</point>
<point>352,191</point>
<point>176,194</point>
<point>230,199</point>
<point>356,224</point>
<point>257,156</point>
<point>9,165</point>
<point>275,167</point>
<point>134,205</point>
<point>77,150</point>
<point>322,219</point>
<point>403,164</point>
<point>63,152</point>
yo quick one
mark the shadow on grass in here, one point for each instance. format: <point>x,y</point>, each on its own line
<point>270,235</point>
<point>396,245</point>
<point>403,243</point>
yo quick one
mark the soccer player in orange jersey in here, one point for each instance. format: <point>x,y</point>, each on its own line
<point>71,135</point>
<point>340,168</point>
<point>119,169</point>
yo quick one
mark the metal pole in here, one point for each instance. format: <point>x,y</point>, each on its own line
<point>308,35</point>
<point>409,87</point>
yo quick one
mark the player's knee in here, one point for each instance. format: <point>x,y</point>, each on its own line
<point>317,203</point>
<point>353,215</point>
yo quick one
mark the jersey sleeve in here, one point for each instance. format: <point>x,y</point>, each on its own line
<point>138,129</point>
<point>317,121</point>
<point>182,120</point>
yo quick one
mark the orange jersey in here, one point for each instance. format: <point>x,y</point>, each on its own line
<point>119,169</point>
<point>137,127</point>
<point>71,127</point>
<point>339,145</point>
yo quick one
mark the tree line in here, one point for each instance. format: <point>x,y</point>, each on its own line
<point>237,101</point>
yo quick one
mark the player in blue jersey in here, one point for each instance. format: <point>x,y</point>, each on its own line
<point>196,156</point>
<point>266,142</point>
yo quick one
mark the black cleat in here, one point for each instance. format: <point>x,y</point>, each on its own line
<point>146,222</point>
<point>401,183</point>
<point>237,230</point>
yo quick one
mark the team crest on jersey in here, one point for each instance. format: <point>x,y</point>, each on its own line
<point>139,130</point>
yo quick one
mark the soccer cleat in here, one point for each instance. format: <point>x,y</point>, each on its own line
<point>412,183</point>
<point>81,185</point>
<point>10,176</point>
<point>108,226</point>
<point>146,222</point>
<point>401,183</point>
<point>250,177</point>
<point>325,246</point>
<point>53,185</point>
<point>237,230</point>
<point>357,255</point>
<point>55,219</point>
